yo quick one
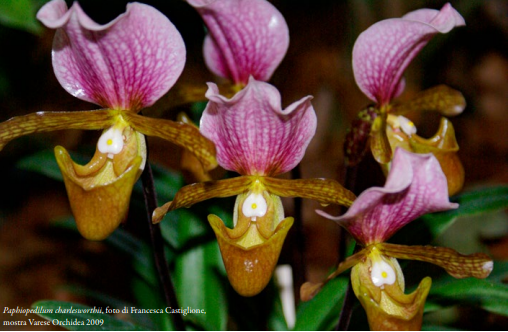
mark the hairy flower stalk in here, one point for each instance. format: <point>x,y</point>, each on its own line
<point>256,138</point>
<point>380,56</point>
<point>415,186</point>
<point>123,66</point>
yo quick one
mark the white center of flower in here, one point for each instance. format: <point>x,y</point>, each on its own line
<point>406,125</point>
<point>254,206</point>
<point>382,273</point>
<point>111,142</point>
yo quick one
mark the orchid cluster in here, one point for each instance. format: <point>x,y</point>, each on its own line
<point>128,64</point>
<point>417,183</point>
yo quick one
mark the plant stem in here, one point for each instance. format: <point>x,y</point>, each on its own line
<point>347,305</point>
<point>158,247</point>
<point>347,309</point>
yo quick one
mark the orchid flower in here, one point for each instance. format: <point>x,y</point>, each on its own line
<point>123,66</point>
<point>415,186</point>
<point>245,38</point>
<point>380,56</point>
<point>256,138</point>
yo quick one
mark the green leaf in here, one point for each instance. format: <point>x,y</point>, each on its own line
<point>42,162</point>
<point>322,312</point>
<point>182,227</point>
<point>148,296</point>
<point>428,327</point>
<point>141,253</point>
<point>276,319</point>
<point>19,14</point>
<point>199,286</point>
<point>484,293</point>
<point>82,314</point>
<point>167,183</point>
<point>470,203</point>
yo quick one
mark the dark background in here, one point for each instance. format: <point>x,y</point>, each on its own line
<point>36,260</point>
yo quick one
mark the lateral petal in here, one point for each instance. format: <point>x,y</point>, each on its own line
<point>182,134</point>
<point>325,191</point>
<point>477,265</point>
<point>198,192</point>
<point>49,121</point>
<point>310,289</point>
<point>441,98</point>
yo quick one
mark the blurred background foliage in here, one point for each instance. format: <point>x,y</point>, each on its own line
<point>42,256</point>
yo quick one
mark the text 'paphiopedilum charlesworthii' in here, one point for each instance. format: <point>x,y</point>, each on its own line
<point>415,186</point>
<point>123,66</point>
<point>259,140</point>
<point>380,56</point>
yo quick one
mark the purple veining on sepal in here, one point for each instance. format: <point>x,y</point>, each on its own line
<point>246,37</point>
<point>415,186</point>
<point>383,51</point>
<point>126,64</point>
<point>253,134</point>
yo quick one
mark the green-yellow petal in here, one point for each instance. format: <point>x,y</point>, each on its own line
<point>441,98</point>
<point>182,134</point>
<point>325,191</point>
<point>100,199</point>
<point>50,121</point>
<point>379,144</point>
<point>387,306</point>
<point>444,147</point>
<point>457,265</point>
<point>250,262</point>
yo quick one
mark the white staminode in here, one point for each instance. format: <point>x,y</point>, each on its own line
<point>254,206</point>
<point>406,125</point>
<point>382,273</point>
<point>111,142</point>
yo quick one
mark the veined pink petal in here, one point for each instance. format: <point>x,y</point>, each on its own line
<point>415,186</point>
<point>383,51</point>
<point>126,64</point>
<point>246,37</point>
<point>253,134</point>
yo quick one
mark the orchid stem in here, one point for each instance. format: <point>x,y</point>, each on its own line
<point>347,309</point>
<point>158,247</point>
<point>347,304</point>
<point>299,270</point>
